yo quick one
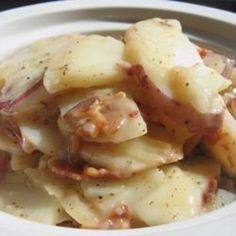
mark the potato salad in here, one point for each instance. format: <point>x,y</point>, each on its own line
<point>106,133</point>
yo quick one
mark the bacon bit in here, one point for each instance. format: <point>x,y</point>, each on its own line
<point>93,172</point>
<point>86,118</point>
<point>63,169</point>
<point>202,52</point>
<point>121,211</point>
<point>120,217</point>
<point>133,114</point>
<point>94,117</point>
<point>210,193</point>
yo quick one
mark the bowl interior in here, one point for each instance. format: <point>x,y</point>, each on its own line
<point>213,29</point>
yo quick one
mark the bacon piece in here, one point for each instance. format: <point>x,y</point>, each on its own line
<point>87,119</point>
<point>120,217</point>
<point>103,173</point>
<point>202,52</point>
<point>63,169</point>
<point>194,121</point>
<point>210,193</point>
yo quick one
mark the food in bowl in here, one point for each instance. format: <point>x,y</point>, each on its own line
<point>105,133</point>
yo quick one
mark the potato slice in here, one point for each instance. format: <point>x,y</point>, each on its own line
<point>132,156</point>
<point>106,195</point>
<point>18,159</point>
<point>104,117</point>
<point>68,196</point>
<point>155,197</point>
<point>159,42</point>
<point>22,200</point>
<point>23,71</point>
<point>41,136</point>
<point>92,61</point>
<point>70,99</point>
<point>159,45</point>
<point>181,195</point>
<point>198,86</point>
<point>154,47</point>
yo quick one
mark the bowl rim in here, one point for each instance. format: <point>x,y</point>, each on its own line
<point>12,15</point>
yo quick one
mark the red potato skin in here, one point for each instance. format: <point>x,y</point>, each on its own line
<point>194,121</point>
<point>10,105</point>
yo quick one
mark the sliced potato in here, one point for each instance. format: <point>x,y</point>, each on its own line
<point>23,71</point>
<point>18,159</point>
<point>181,194</point>
<point>68,196</point>
<point>25,201</point>
<point>198,86</point>
<point>69,100</point>
<point>104,117</point>
<point>131,156</point>
<point>40,136</point>
<point>155,197</point>
<point>159,45</point>
<point>113,193</point>
<point>154,47</point>
<point>92,61</point>
<point>159,42</point>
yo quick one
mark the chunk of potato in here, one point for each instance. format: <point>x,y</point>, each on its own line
<point>92,61</point>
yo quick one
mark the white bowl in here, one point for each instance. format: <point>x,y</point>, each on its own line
<point>207,26</point>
